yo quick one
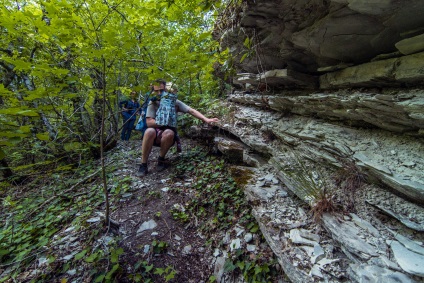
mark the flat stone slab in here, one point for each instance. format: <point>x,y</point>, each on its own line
<point>390,72</point>
<point>148,225</point>
<point>374,273</point>
<point>409,261</point>
<point>347,235</point>
<point>405,221</point>
<point>411,45</point>
<point>232,150</point>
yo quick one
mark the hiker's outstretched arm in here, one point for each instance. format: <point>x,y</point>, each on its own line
<point>202,117</point>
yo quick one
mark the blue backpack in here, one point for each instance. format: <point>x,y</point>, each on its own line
<point>141,124</point>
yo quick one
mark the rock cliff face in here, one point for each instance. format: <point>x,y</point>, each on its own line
<point>328,103</point>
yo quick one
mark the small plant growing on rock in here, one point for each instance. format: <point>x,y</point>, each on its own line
<point>159,246</point>
<point>349,179</point>
<point>178,213</point>
<point>168,273</point>
<point>309,184</point>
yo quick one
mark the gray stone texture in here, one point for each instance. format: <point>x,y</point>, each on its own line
<point>307,36</point>
<point>331,87</point>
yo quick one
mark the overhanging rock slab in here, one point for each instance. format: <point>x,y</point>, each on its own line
<point>278,77</point>
<point>391,72</point>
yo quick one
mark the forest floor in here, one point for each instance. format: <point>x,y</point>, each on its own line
<point>173,225</point>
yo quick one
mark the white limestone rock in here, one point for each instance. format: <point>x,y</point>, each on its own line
<point>409,244</point>
<point>248,237</point>
<point>373,273</point>
<point>235,244</point>
<point>148,225</point>
<point>296,238</point>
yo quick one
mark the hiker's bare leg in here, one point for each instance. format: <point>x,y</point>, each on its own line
<point>148,139</point>
<point>166,142</point>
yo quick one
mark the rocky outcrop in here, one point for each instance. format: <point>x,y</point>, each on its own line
<point>308,35</point>
<point>397,110</point>
<point>330,95</point>
<point>317,37</point>
<point>303,156</point>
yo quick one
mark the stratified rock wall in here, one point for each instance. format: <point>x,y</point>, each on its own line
<point>331,94</point>
<point>309,36</point>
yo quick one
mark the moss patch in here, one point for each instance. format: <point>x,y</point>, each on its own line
<point>241,175</point>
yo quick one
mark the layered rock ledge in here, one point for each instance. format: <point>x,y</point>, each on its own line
<point>330,95</point>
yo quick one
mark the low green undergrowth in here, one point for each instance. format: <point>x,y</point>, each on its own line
<point>218,204</point>
<point>256,269</point>
<point>34,221</point>
<point>218,199</point>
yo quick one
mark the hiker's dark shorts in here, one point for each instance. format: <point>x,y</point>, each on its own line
<point>159,132</point>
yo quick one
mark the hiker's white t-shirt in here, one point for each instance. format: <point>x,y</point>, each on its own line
<point>154,106</point>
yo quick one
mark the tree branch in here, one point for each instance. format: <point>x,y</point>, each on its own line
<point>66,191</point>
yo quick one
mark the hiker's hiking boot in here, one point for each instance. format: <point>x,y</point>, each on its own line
<point>179,149</point>
<point>162,164</point>
<point>142,171</point>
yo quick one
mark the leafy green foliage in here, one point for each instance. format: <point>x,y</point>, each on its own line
<point>168,273</point>
<point>218,196</point>
<point>253,270</point>
<point>61,58</point>
<point>159,246</point>
<point>180,215</point>
<point>32,225</point>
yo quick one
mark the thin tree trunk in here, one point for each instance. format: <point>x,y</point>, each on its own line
<point>199,83</point>
<point>107,222</point>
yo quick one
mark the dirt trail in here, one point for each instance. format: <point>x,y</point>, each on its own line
<point>171,244</point>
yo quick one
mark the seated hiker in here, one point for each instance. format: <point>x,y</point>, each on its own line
<point>156,135</point>
<point>130,108</point>
<point>166,115</point>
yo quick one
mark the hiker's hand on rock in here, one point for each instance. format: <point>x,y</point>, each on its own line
<point>212,120</point>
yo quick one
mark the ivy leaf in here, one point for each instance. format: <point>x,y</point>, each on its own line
<point>92,257</point>
<point>159,271</point>
<point>115,255</point>
<point>81,254</point>
<point>258,269</point>
<point>149,268</point>
<point>112,271</point>
<point>243,57</point>
<point>30,113</point>
<point>99,278</point>
<point>42,137</point>
<point>170,276</point>
<point>240,264</point>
